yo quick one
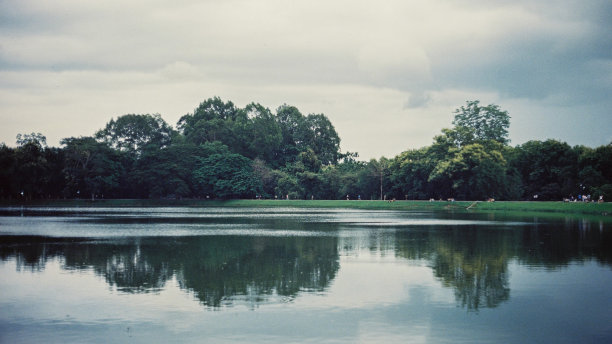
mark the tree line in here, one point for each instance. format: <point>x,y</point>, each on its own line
<point>222,151</point>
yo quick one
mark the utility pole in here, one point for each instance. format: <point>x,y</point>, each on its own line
<point>381,176</point>
<point>378,170</point>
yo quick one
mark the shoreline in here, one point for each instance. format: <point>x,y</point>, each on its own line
<point>601,209</point>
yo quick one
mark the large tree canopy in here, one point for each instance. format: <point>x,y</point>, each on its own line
<point>211,121</point>
<point>91,168</point>
<point>263,134</point>
<point>134,133</point>
<point>227,176</point>
<point>472,173</point>
<point>486,122</point>
<point>323,139</point>
<point>547,168</point>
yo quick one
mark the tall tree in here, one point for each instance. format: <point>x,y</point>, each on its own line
<point>31,172</point>
<point>301,133</point>
<point>294,133</point>
<point>409,173</point>
<point>373,179</point>
<point>547,168</point>
<point>92,168</point>
<point>323,138</point>
<point>55,178</point>
<point>486,122</point>
<point>8,177</point>
<point>31,168</point>
<point>475,172</point>
<point>170,172</point>
<point>211,121</point>
<point>135,133</point>
<point>35,138</point>
<point>228,176</point>
<point>265,136</point>
<point>595,171</point>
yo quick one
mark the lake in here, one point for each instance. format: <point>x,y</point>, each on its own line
<point>283,275</point>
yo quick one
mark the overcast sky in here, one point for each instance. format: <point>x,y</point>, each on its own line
<point>388,74</point>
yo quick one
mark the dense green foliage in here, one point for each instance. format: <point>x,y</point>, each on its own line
<point>222,151</point>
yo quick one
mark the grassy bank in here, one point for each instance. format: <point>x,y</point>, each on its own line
<point>546,207</point>
<point>353,204</point>
<point>538,207</point>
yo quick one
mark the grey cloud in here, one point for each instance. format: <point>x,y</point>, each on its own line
<point>558,57</point>
<point>421,54</point>
<point>416,101</point>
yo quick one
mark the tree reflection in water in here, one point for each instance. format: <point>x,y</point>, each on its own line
<point>474,261</point>
<point>222,270</point>
<point>217,270</point>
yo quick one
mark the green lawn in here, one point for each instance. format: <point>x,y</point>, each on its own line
<point>559,207</point>
<point>547,207</point>
<point>353,204</point>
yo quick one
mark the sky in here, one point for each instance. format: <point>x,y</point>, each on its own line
<point>388,74</point>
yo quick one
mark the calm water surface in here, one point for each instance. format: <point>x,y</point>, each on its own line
<point>225,275</point>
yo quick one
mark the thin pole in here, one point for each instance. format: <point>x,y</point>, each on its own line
<point>381,175</point>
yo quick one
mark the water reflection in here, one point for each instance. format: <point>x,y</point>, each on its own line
<point>217,270</point>
<point>474,262</point>
<point>472,259</point>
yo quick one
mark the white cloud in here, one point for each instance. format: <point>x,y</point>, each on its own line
<point>180,70</point>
